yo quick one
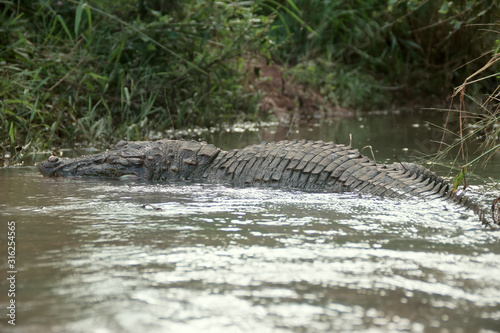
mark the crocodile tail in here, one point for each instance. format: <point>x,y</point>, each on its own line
<point>460,197</point>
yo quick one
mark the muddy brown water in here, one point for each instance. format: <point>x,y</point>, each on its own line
<point>97,255</point>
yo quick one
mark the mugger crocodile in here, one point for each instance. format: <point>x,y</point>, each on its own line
<point>314,166</point>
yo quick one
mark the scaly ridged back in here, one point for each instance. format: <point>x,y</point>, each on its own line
<point>323,167</point>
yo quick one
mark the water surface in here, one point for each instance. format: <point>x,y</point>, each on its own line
<point>99,255</point>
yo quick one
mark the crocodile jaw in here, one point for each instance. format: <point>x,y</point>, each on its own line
<point>104,165</point>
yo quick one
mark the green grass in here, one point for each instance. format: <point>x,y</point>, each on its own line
<point>473,118</point>
<point>95,71</point>
<point>398,50</point>
<point>87,72</point>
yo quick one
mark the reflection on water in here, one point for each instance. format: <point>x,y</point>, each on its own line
<point>224,260</point>
<point>116,256</point>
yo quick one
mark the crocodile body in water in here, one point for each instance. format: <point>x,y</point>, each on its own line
<point>314,166</point>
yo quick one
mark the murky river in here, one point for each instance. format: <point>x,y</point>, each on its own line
<point>97,255</point>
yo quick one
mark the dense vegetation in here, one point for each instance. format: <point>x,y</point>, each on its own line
<point>75,71</point>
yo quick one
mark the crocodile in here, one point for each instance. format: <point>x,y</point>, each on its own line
<point>314,166</point>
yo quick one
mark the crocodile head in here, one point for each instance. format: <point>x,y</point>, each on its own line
<point>149,160</point>
<point>106,165</point>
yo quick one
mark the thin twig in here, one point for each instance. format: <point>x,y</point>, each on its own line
<point>397,159</point>
<point>371,149</point>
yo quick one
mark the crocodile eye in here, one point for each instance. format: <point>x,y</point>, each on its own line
<point>53,159</point>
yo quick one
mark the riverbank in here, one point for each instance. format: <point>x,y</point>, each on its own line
<point>75,72</point>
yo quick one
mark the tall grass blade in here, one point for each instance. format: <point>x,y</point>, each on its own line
<point>78,17</point>
<point>65,27</point>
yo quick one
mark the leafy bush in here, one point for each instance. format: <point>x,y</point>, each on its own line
<point>400,49</point>
<point>98,69</point>
<point>95,70</point>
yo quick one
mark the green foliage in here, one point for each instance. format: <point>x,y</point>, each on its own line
<point>96,70</point>
<point>340,85</point>
<point>459,179</point>
<point>88,71</point>
<point>409,48</point>
<point>474,118</point>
